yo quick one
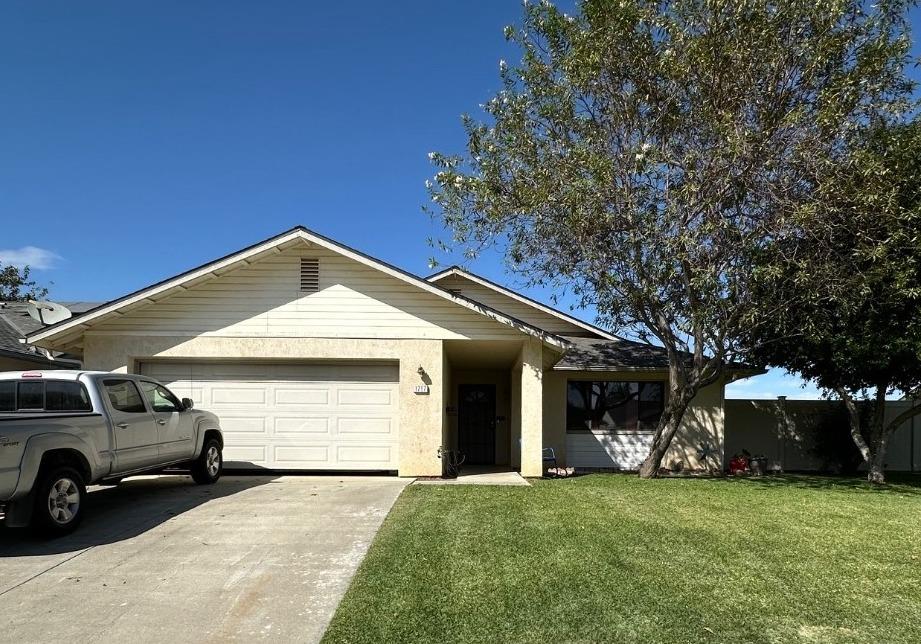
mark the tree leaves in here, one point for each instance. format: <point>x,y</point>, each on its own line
<point>646,154</point>
<point>16,285</point>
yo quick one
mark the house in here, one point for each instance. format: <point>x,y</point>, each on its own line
<point>318,357</point>
<point>15,323</point>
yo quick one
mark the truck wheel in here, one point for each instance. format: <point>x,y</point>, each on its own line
<point>208,466</point>
<point>59,498</point>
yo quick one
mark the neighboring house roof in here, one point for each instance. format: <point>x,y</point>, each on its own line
<point>165,288</point>
<point>482,281</point>
<point>16,323</point>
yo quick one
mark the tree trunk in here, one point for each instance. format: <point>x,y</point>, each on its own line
<point>662,440</point>
<point>873,450</point>
<point>875,470</point>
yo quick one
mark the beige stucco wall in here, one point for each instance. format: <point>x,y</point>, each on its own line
<point>531,384</point>
<point>421,415</point>
<point>703,422</point>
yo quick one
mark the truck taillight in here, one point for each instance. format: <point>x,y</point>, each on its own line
<point>32,374</point>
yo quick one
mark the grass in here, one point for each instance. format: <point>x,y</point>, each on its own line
<point>614,558</point>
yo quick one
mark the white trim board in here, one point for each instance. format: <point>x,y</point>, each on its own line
<point>482,281</point>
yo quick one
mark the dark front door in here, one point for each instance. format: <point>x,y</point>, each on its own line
<point>476,424</point>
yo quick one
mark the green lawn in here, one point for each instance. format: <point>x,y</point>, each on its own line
<point>613,558</point>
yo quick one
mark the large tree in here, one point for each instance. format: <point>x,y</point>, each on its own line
<point>17,285</point>
<point>854,270</point>
<point>641,152</point>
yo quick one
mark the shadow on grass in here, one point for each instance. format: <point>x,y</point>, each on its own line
<point>896,482</point>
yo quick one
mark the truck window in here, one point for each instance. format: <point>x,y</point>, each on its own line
<point>124,396</point>
<point>160,398</point>
<point>31,395</point>
<point>7,396</point>
<point>66,396</point>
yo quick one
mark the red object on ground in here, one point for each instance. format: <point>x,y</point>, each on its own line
<point>738,465</point>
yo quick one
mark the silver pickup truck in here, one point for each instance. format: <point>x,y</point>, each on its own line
<point>63,430</point>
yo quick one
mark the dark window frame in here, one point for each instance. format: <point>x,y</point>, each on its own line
<point>44,382</point>
<point>581,419</point>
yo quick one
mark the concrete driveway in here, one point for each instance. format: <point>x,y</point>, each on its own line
<point>160,559</point>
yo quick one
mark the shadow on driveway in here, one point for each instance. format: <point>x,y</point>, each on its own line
<point>127,510</point>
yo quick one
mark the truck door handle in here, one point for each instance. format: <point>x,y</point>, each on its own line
<point>160,421</point>
<point>122,425</point>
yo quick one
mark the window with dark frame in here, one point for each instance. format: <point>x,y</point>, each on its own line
<point>613,405</point>
<point>43,395</point>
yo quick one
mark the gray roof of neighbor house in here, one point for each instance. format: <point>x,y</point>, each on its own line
<point>16,323</point>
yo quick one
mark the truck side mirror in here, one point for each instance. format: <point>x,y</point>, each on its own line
<point>187,403</point>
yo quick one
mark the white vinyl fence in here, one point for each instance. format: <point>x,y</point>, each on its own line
<point>785,432</point>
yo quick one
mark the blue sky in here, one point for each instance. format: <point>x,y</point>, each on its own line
<point>141,139</point>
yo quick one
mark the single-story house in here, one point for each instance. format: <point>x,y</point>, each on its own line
<point>319,357</point>
<point>15,324</point>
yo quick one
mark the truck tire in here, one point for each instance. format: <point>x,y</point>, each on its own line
<point>208,466</point>
<point>59,499</point>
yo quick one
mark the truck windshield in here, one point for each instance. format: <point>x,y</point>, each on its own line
<point>43,395</point>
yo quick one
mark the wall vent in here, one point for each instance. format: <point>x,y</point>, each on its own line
<point>310,275</point>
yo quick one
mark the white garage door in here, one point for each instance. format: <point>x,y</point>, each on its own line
<point>295,416</point>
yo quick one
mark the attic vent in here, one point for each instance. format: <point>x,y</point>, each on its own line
<point>454,291</point>
<point>310,275</point>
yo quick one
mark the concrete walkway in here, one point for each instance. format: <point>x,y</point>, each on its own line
<point>479,476</point>
<point>159,559</point>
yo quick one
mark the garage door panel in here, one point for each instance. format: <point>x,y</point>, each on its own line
<point>301,425</point>
<point>364,456</point>
<point>301,456</point>
<point>295,416</point>
<point>244,427</point>
<point>365,397</point>
<point>244,454</point>
<point>306,396</point>
<point>364,426</point>
<point>238,396</point>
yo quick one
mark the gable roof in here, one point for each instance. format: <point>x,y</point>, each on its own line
<point>163,289</point>
<point>482,281</point>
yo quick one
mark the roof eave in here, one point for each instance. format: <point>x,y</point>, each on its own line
<point>456,270</point>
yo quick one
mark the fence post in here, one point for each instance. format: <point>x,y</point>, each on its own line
<point>782,456</point>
